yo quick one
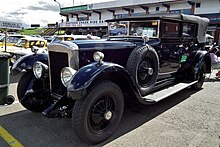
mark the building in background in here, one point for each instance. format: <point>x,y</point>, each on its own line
<point>91,18</point>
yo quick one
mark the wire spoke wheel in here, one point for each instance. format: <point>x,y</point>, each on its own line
<point>97,115</point>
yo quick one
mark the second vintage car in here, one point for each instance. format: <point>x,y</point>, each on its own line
<point>157,56</point>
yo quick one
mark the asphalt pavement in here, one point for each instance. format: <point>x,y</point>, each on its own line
<point>186,119</point>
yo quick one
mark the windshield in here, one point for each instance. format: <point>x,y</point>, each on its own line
<point>134,28</point>
<point>118,28</point>
<point>142,28</point>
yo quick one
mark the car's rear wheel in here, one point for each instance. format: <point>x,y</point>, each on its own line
<point>200,77</point>
<point>143,66</point>
<point>27,85</point>
<point>97,115</point>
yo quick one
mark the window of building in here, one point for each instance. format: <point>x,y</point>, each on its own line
<point>198,5</point>
<point>83,18</point>
<point>157,8</point>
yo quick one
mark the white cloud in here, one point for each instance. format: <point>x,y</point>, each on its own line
<point>40,12</point>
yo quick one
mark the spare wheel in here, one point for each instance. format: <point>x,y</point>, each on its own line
<point>143,66</point>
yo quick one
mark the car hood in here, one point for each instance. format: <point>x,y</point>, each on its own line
<point>103,44</point>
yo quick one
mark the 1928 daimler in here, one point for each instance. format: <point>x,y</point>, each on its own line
<point>153,57</point>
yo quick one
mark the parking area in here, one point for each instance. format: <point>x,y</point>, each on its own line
<point>188,118</point>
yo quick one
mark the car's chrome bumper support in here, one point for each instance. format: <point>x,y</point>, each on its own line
<point>59,108</point>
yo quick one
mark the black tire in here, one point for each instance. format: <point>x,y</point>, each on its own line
<point>200,78</point>
<point>9,99</point>
<point>97,115</point>
<point>35,104</point>
<point>143,66</point>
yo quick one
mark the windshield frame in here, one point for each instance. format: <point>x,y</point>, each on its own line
<point>128,34</point>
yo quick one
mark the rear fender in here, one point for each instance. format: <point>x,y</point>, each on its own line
<point>88,75</point>
<point>26,62</point>
<point>197,58</point>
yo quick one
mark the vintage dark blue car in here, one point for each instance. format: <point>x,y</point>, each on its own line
<point>89,81</point>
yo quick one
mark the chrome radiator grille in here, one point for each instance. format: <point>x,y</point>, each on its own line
<point>57,61</point>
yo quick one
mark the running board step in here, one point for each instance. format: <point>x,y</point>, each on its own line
<point>162,94</point>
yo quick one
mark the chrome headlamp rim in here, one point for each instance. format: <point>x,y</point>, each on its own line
<point>37,69</point>
<point>66,75</point>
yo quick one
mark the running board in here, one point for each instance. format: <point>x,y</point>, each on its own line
<point>162,94</point>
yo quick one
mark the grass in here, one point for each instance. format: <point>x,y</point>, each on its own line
<point>34,31</point>
<point>31,31</point>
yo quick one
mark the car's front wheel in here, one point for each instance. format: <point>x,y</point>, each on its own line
<point>97,115</point>
<point>27,85</point>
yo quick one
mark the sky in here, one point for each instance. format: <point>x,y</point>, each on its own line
<point>40,12</point>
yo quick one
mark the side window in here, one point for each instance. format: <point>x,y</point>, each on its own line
<point>16,39</point>
<point>10,39</point>
<point>189,30</point>
<point>171,30</point>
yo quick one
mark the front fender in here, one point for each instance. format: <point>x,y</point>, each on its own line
<point>26,62</point>
<point>89,74</point>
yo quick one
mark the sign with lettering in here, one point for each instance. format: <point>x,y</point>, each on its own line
<point>75,8</point>
<point>10,25</point>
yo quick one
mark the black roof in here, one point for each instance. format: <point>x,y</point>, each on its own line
<point>201,21</point>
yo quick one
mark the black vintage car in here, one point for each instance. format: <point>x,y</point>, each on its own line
<point>157,56</point>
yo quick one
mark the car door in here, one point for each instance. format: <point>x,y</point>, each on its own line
<point>189,34</point>
<point>169,53</point>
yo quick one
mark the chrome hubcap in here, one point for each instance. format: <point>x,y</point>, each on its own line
<point>108,115</point>
<point>150,71</point>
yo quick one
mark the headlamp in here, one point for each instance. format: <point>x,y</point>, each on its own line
<point>39,69</point>
<point>98,56</point>
<point>66,75</point>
